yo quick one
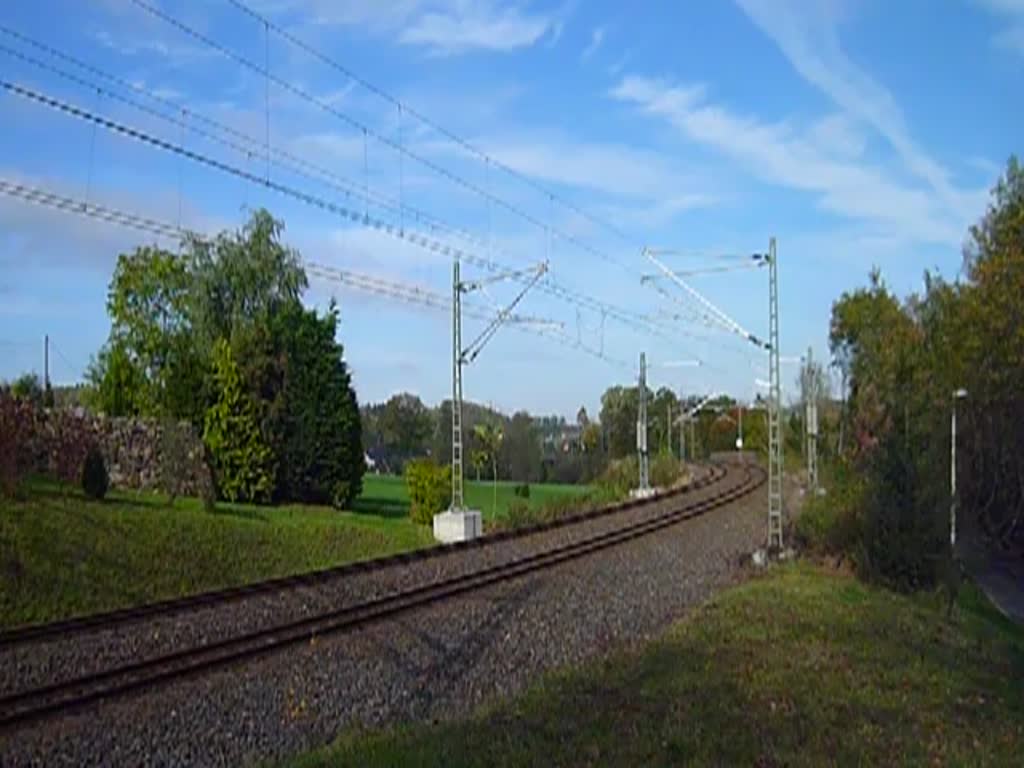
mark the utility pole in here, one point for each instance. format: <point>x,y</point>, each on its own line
<point>959,394</point>
<point>459,523</point>
<point>682,437</point>
<point>457,361</point>
<point>811,422</point>
<point>775,502</point>
<point>739,426</point>
<point>641,430</point>
<point>668,419</point>
<point>46,362</point>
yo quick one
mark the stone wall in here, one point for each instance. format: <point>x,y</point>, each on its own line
<point>132,448</point>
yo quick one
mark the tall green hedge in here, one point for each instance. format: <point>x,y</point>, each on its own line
<point>243,462</point>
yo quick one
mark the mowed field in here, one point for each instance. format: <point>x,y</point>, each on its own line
<point>387,494</point>
<point>63,555</point>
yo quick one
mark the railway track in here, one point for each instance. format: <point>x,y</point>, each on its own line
<point>37,703</point>
<point>115,619</point>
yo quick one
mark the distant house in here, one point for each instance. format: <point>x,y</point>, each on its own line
<point>565,438</point>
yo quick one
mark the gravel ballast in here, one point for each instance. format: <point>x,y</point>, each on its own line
<point>25,666</point>
<point>433,662</point>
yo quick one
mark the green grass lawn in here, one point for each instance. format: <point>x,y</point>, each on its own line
<point>388,494</point>
<point>64,555</point>
<point>801,667</point>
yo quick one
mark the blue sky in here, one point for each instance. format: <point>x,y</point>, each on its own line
<point>856,132</point>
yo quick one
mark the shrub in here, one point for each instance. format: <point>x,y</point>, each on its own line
<point>27,387</point>
<point>519,515</point>
<point>430,489</point>
<point>832,524</point>
<point>905,533</point>
<point>16,426</point>
<point>243,462</point>
<point>522,491</point>
<point>618,478</point>
<point>666,470</point>
<point>95,480</point>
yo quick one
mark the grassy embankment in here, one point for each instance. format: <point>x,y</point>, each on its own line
<point>64,555</point>
<point>801,667</point>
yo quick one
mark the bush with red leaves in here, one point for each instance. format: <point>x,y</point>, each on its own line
<point>69,445</point>
<point>17,424</point>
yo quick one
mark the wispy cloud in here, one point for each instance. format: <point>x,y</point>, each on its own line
<point>1011,14</point>
<point>442,27</point>
<point>612,171</point>
<point>785,155</point>
<point>808,37</point>
<point>1012,38</point>
<point>481,28</point>
<point>136,45</point>
<point>596,40</point>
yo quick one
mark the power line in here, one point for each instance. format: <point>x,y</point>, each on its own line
<point>296,164</point>
<point>89,210</point>
<point>638,322</point>
<point>411,294</point>
<point>712,312</point>
<point>450,135</point>
<point>77,370</point>
<point>418,295</point>
<point>387,141</point>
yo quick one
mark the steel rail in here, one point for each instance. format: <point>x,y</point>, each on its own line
<point>35,704</point>
<point>114,619</point>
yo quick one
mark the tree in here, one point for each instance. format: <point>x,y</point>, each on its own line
<point>116,383</point>
<point>489,436</point>
<point>147,304</point>
<point>243,462</point>
<point>219,337</point>
<point>27,387</point>
<point>241,279</point>
<point>520,449</point>
<point>321,456</point>
<point>405,426</point>
<point>478,459</point>
<point>619,408</point>
<point>582,419</point>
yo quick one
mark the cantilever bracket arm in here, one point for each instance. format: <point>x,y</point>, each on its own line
<point>470,353</point>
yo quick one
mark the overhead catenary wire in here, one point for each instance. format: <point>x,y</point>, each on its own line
<point>426,121</point>
<point>377,135</point>
<point>638,322</point>
<point>713,312</point>
<point>177,116</point>
<point>425,297</point>
<point>298,166</point>
<point>157,228</point>
<point>471,148</point>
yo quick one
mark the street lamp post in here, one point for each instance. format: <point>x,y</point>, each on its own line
<point>959,394</point>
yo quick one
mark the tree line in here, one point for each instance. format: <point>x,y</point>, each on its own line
<point>217,335</point>
<point>527,448</point>
<point>907,364</point>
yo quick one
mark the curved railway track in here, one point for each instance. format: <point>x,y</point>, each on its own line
<point>37,703</point>
<point>113,619</point>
